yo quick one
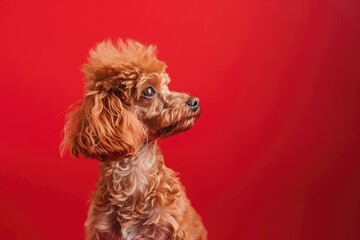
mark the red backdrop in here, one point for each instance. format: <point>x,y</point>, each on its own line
<point>276,152</point>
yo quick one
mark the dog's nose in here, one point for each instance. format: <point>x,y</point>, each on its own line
<point>194,103</point>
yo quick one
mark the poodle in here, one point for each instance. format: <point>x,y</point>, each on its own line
<point>127,107</point>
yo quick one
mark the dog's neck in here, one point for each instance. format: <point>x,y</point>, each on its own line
<point>132,176</point>
<point>137,189</point>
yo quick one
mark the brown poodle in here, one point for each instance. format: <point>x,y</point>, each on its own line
<point>127,106</point>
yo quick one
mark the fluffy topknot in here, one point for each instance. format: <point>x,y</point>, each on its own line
<point>111,58</point>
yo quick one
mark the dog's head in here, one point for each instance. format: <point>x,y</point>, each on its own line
<point>127,103</point>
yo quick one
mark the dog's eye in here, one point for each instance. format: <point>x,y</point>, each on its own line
<point>148,92</point>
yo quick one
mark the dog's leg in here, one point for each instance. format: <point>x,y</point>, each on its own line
<point>100,224</point>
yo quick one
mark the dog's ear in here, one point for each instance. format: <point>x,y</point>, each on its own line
<point>100,127</point>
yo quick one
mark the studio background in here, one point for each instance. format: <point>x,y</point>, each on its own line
<point>275,154</point>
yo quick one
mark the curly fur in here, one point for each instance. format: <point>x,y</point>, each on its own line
<point>137,196</point>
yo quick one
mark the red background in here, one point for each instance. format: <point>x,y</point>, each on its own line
<point>276,152</point>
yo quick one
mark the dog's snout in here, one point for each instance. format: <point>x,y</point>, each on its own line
<point>193,102</point>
